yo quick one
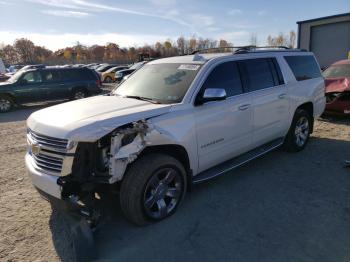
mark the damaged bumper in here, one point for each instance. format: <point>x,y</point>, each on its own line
<point>338,103</point>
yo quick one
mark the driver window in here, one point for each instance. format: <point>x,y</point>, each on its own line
<point>225,76</point>
<point>32,77</point>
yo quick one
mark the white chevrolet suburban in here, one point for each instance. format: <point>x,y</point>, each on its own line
<point>175,122</point>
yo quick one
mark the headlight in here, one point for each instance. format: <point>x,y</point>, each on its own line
<point>119,75</point>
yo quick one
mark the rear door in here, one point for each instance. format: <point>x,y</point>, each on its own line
<point>270,102</point>
<point>224,128</point>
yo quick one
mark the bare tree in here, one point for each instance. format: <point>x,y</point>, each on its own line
<point>181,45</point>
<point>292,38</point>
<point>25,49</point>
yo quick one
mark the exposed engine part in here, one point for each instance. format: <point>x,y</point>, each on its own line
<point>126,144</point>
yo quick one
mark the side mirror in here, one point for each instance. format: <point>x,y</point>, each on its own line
<point>212,94</point>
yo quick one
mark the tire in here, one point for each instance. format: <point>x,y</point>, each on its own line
<point>145,189</point>
<point>299,132</point>
<point>79,93</point>
<point>108,79</point>
<point>6,103</point>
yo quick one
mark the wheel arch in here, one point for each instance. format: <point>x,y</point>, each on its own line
<point>309,107</point>
<point>9,95</point>
<point>174,150</point>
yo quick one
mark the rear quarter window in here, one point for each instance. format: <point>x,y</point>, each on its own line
<point>77,75</point>
<point>303,67</point>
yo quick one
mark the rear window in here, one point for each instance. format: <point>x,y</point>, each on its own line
<point>303,67</point>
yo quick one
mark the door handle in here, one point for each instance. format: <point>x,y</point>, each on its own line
<point>244,107</point>
<point>282,96</point>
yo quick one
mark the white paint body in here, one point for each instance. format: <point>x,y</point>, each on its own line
<point>268,116</point>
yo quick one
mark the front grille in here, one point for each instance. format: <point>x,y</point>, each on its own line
<point>48,163</point>
<point>50,142</point>
<point>50,152</point>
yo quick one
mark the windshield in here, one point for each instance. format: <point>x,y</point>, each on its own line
<point>16,76</point>
<point>337,71</point>
<point>112,70</point>
<point>164,83</point>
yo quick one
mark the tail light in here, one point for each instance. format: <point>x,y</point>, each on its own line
<point>98,83</point>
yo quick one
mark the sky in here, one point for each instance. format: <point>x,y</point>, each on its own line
<point>59,23</point>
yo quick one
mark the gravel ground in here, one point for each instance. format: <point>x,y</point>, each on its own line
<point>282,207</point>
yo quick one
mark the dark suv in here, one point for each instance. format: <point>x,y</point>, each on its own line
<point>45,84</point>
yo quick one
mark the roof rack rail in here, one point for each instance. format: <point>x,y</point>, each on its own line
<point>245,49</point>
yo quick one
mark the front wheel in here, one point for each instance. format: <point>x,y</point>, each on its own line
<point>152,189</point>
<point>299,132</point>
<point>6,103</point>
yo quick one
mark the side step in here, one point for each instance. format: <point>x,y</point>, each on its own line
<point>237,161</point>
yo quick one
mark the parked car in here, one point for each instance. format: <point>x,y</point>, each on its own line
<point>3,77</point>
<point>104,68</point>
<point>175,122</point>
<point>48,84</point>
<point>337,78</point>
<point>14,68</point>
<point>109,75</point>
<point>122,73</point>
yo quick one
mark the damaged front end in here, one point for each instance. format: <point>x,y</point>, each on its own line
<point>97,165</point>
<point>338,103</point>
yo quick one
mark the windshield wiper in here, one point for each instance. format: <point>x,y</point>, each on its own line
<point>144,99</point>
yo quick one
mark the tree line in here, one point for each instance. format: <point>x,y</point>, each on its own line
<point>24,51</point>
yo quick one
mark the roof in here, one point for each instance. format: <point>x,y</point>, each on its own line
<point>202,58</point>
<point>189,59</point>
<point>323,18</point>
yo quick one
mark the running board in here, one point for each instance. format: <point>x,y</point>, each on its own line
<point>236,162</point>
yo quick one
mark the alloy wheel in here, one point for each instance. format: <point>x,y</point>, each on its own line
<point>162,193</point>
<point>301,131</point>
<point>79,95</point>
<point>5,105</point>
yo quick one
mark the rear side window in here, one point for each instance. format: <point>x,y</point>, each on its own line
<point>303,67</point>
<point>225,76</point>
<point>259,73</point>
<point>77,74</point>
<point>50,76</point>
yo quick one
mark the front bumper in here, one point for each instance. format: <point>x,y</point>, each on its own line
<point>46,183</point>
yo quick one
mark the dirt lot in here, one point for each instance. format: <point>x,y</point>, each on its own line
<point>282,207</point>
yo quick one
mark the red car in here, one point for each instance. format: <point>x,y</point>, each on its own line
<point>337,80</point>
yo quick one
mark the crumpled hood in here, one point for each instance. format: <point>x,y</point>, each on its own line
<point>337,84</point>
<point>91,118</point>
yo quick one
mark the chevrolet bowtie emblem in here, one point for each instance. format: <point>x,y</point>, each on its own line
<point>35,148</point>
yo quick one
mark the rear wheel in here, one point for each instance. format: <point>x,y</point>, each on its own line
<point>79,94</point>
<point>108,79</point>
<point>299,132</point>
<point>6,103</point>
<point>152,189</point>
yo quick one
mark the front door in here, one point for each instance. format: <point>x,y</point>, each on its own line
<point>28,88</point>
<point>224,128</point>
